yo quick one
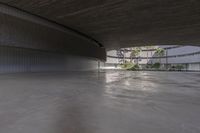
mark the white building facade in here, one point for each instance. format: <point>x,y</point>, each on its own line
<point>187,56</point>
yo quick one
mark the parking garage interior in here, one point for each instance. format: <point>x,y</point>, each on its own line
<point>51,79</point>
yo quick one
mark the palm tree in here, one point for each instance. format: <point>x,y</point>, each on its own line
<point>148,48</point>
<point>124,54</point>
<point>160,52</point>
<point>135,53</point>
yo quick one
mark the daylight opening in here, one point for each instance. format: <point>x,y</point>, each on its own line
<point>154,58</point>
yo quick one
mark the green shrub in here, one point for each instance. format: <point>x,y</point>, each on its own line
<point>173,68</point>
<point>149,66</point>
<point>134,67</point>
<point>126,65</point>
<point>156,65</point>
<point>129,66</point>
<point>179,67</point>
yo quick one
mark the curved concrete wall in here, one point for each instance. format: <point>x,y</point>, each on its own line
<point>28,60</point>
<point>187,56</point>
<point>25,39</point>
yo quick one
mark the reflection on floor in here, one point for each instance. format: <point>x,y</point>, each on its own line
<point>105,102</point>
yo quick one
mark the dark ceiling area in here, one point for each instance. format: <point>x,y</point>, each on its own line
<point>123,23</point>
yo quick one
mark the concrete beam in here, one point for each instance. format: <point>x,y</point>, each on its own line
<point>20,29</point>
<point>29,43</point>
<point>123,23</point>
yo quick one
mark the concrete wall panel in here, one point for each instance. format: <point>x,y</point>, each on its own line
<point>30,43</point>
<point>27,60</point>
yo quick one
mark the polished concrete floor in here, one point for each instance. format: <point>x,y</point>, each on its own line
<point>104,102</point>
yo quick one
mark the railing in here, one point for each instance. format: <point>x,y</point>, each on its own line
<point>156,57</point>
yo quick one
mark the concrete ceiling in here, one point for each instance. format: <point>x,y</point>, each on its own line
<point>123,23</point>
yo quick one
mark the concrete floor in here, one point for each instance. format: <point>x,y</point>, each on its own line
<point>106,102</point>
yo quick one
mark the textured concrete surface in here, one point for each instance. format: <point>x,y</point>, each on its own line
<point>123,23</point>
<point>23,30</point>
<point>106,102</point>
<point>13,60</point>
